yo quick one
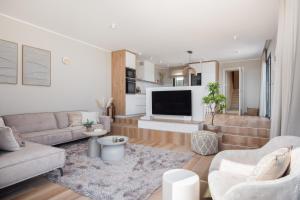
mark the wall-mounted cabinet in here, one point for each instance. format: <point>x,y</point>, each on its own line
<point>145,70</point>
<point>209,71</point>
<point>130,60</point>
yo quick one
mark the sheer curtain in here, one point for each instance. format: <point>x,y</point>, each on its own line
<point>263,83</point>
<point>286,102</point>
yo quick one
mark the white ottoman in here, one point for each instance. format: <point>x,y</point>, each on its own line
<point>180,184</point>
<point>204,142</point>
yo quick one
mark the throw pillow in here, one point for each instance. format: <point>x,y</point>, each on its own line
<point>75,119</point>
<point>18,137</point>
<point>2,124</point>
<point>91,116</point>
<point>8,142</point>
<point>272,166</point>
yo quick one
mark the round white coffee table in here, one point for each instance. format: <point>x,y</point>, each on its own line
<point>94,148</point>
<point>179,184</point>
<point>112,147</point>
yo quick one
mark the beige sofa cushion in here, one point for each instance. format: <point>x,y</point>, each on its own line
<point>75,118</point>
<point>77,132</point>
<point>1,122</point>
<point>30,161</point>
<point>49,137</point>
<point>272,166</point>
<point>90,116</point>
<point>8,141</point>
<point>62,119</point>
<point>32,122</point>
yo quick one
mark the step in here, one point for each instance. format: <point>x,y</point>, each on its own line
<point>246,131</point>
<point>133,121</point>
<point>224,146</point>
<point>247,141</point>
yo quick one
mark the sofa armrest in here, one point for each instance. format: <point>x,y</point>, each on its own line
<point>284,188</point>
<point>106,122</point>
<point>250,157</point>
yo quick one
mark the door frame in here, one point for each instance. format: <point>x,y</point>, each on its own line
<point>241,85</point>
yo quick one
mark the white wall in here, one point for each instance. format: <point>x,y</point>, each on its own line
<point>75,86</point>
<point>252,79</point>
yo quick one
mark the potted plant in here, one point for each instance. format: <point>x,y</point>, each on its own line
<point>216,103</point>
<point>88,125</point>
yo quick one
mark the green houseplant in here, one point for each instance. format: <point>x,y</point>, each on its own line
<point>88,125</point>
<point>215,101</point>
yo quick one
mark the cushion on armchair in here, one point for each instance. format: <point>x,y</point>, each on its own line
<point>272,166</point>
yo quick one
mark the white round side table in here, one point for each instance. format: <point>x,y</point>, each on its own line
<point>94,147</point>
<point>180,184</point>
<point>112,147</point>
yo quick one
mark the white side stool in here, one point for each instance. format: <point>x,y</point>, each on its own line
<point>180,184</point>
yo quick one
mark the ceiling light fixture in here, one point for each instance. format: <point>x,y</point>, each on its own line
<point>235,37</point>
<point>113,26</point>
<point>237,51</point>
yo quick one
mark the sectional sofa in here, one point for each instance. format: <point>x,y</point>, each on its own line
<point>40,130</point>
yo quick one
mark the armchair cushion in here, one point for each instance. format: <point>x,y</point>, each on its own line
<point>272,166</point>
<point>220,182</point>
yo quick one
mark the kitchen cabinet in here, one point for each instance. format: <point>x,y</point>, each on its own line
<point>135,104</point>
<point>130,60</point>
<point>120,60</point>
<point>209,71</point>
<point>146,71</point>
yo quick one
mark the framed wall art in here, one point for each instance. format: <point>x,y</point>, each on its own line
<point>8,62</point>
<point>36,66</point>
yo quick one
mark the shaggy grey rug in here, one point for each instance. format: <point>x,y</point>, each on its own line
<point>134,178</point>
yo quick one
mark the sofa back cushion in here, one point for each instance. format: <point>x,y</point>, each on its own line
<point>2,124</point>
<point>62,119</point>
<point>32,122</point>
<point>8,141</point>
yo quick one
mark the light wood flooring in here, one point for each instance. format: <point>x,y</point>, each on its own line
<point>39,188</point>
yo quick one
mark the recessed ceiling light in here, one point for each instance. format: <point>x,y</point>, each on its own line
<point>235,37</point>
<point>237,51</point>
<point>113,26</point>
<point>140,53</point>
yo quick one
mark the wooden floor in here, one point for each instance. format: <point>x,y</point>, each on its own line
<point>39,188</point>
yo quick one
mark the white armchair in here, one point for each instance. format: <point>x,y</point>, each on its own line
<point>233,185</point>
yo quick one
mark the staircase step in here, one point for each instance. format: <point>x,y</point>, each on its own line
<point>246,131</point>
<point>224,146</point>
<point>245,141</point>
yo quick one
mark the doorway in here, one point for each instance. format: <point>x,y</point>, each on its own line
<point>232,91</point>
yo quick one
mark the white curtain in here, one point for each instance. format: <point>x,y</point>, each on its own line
<point>263,84</point>
<point>286,102</point>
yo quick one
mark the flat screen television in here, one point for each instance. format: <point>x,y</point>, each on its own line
<point>176,102</point>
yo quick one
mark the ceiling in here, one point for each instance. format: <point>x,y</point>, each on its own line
<point>161,30</point>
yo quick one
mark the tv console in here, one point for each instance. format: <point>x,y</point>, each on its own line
<point>180,126</point>
<point>175,123</point>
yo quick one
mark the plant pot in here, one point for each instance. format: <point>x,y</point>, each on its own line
<point>89,129</point>
<point>212,128</point>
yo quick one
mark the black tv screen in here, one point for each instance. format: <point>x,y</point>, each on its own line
<point>177,102</point>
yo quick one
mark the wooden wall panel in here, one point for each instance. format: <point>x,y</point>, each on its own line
<point>118,81</point>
